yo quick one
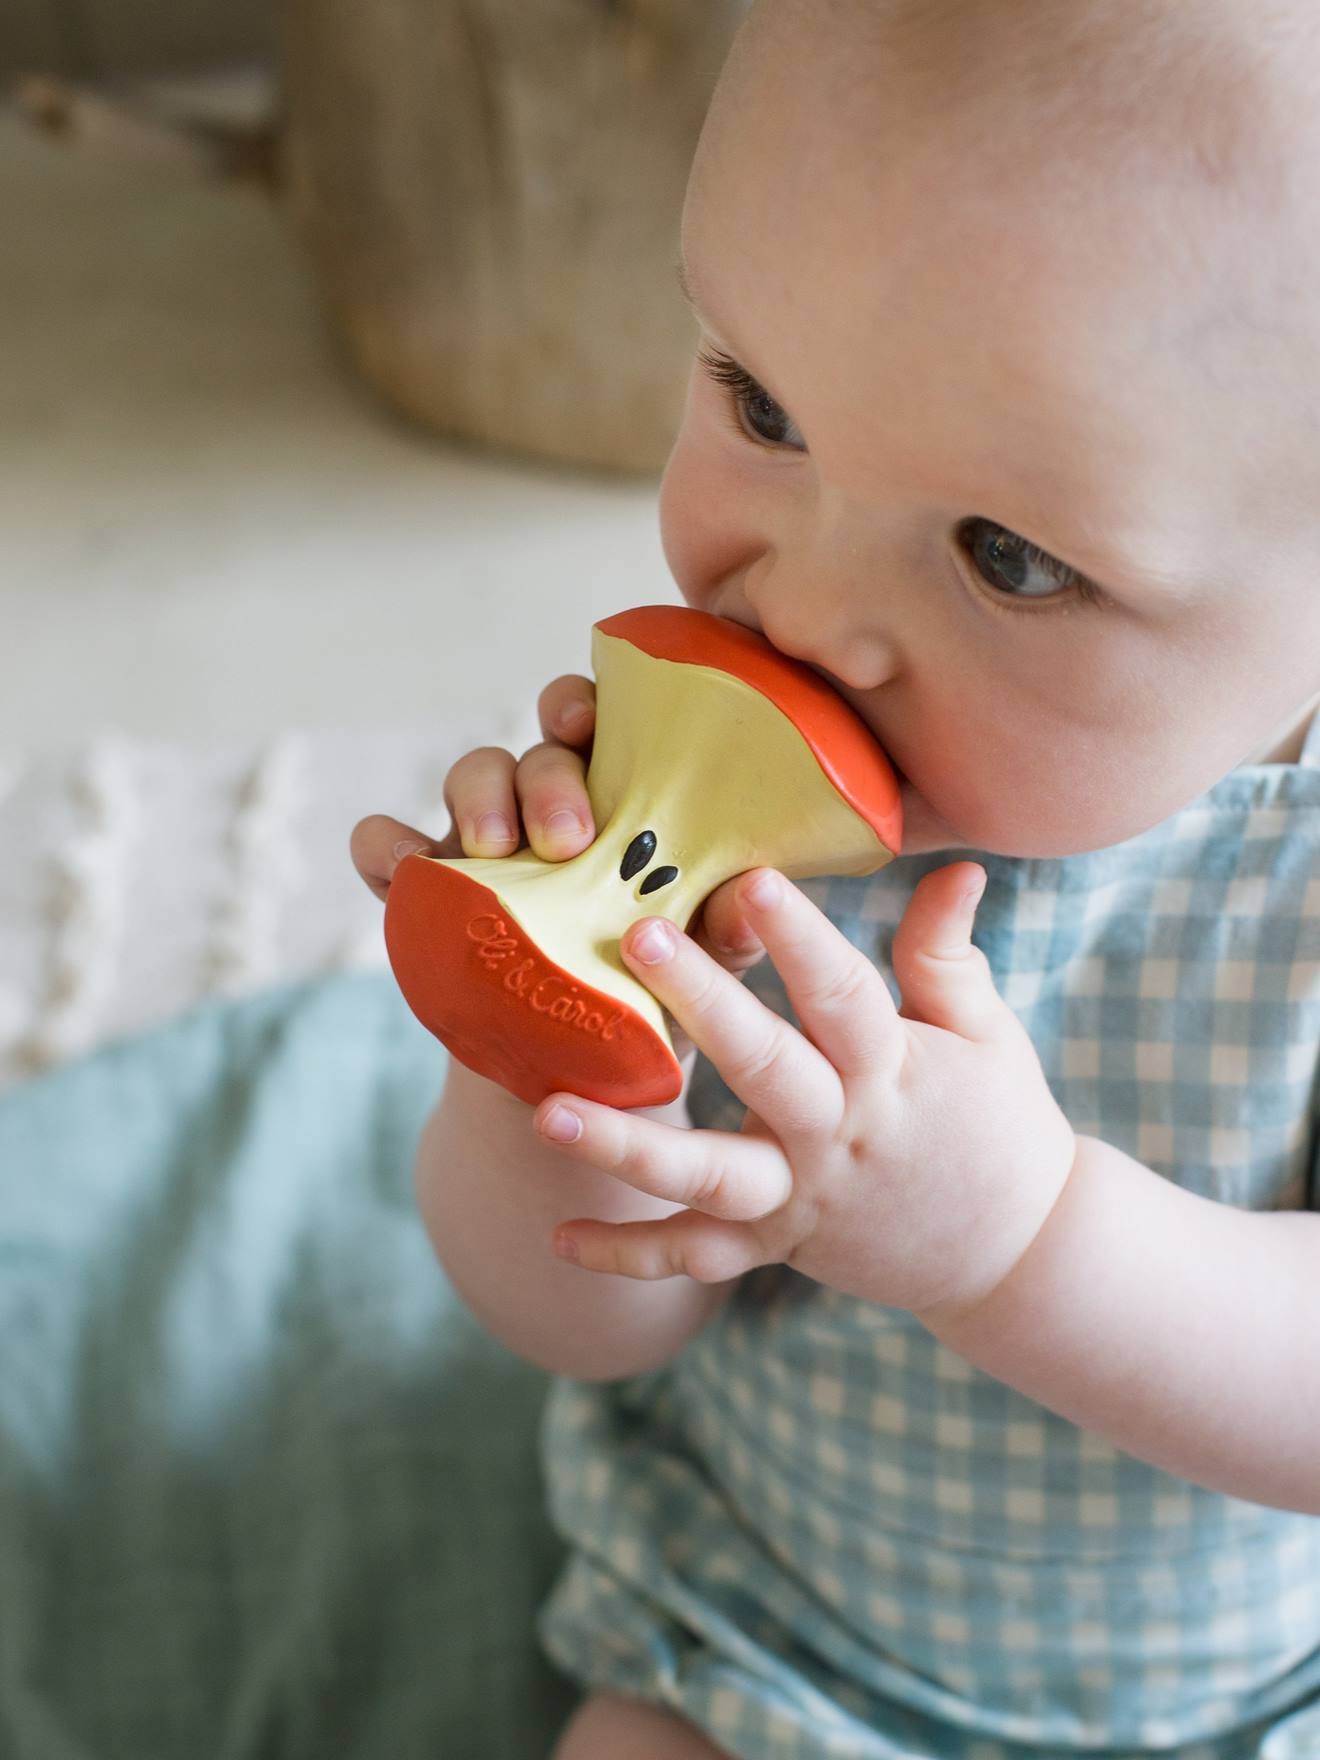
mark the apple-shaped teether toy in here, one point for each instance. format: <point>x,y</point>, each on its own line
<point>713,753</point>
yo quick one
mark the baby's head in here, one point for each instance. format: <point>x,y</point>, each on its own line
<point>1030,467</point>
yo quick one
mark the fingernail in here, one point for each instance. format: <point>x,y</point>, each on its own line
<point>972,896</point>
<point>745,941</point>
<point>406,846</point>
<point>561,1125</point>
<point>574,718</point>
<point>563,824</point>
<point>566,1246</point>
<point>492,828</point>
<point>653,944</point>
<point>763,891</point>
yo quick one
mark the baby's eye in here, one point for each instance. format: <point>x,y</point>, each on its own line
<point>756,414</point>
<point>1016,567</point>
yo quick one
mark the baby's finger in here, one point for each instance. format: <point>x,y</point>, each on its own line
<point>567,708</point>
<point>556,808</point>
<point>479,792</point>
<point>767,1063</point>
<point>840,1000</point>
<point>946,981</point>
<point>736,1177</point>
<point>371,844</point>
<point>722,928</point>
<point>687,1244</point>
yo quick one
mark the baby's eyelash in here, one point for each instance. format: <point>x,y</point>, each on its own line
<point>726,371</point>
<point>1075,586</point>
<point>1082,586</point>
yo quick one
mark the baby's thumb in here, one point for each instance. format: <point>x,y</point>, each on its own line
<point>372,845</point>
<point>944,980</point>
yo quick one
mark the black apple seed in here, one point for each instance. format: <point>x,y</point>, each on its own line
<point>637,854</point>
<point>661,877</point>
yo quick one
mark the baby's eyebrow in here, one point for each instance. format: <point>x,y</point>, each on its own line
<point>689,293</point>
<point>685,284</point>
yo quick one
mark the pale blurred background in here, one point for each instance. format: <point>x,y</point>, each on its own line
<point>340,353</point>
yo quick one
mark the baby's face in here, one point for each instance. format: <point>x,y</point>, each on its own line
<point>1027,466</point>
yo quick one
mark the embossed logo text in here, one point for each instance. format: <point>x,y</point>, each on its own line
<point>530,977</point>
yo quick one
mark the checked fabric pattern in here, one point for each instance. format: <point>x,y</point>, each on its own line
<point>818,1532</point>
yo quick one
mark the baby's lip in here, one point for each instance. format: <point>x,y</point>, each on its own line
<point>904,780</point>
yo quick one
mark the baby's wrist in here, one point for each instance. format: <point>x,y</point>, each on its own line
<point>967,1312</point>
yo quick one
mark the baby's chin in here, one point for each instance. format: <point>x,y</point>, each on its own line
<point>990,820</point>
<point>925,831</point>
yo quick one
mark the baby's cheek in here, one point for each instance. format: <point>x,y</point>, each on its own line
<point>709,527</point>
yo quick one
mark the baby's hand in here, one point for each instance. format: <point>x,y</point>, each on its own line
<point>493,796</point>
<point>909,1158</point>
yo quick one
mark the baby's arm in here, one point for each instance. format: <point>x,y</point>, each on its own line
<point>919,1160</point>
<point>1185,1331</point>
<point>491,1189</point>
<point>491,1193</point>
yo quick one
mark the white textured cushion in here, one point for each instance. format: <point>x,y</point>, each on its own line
<point>141,876</point>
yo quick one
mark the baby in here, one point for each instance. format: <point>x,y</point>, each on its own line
<point>942,1375</point>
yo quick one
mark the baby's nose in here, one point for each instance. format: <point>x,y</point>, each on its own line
<point>846,657</point>
<point>840,625</point>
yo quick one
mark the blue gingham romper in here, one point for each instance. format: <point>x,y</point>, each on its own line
<point>818,1532</point>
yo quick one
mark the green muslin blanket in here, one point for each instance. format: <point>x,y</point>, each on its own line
<point>266,1490</point>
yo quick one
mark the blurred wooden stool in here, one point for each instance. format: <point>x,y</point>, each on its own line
<point>490,193</point>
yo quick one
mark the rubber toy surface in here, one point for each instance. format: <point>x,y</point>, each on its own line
<point>713,753</point>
